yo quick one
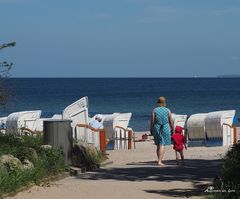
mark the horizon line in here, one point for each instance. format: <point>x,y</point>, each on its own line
<point>120,77</point>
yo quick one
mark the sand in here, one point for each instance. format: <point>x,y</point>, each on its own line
<point>134,174</point>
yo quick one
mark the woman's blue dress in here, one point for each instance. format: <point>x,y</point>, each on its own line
<point>161,128</point>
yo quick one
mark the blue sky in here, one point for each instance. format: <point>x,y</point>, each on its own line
<point>121,38</point>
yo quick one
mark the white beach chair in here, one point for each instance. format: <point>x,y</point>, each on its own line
<point>117,131</point>
<point>109,125</point>
<point>219,126</point>
<point>121,130</point>
<point>196,129</point>
<point>25,119</point>
<point>179,120</point>
<point>77,112</point>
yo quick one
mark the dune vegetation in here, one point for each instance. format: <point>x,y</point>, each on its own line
<point>25,160</point>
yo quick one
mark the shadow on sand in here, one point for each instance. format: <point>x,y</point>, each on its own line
<point>197,171</point>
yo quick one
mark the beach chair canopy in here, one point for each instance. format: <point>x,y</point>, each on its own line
<point>122,120</point>
<point>77,112</point>
<point>214,122</point>
<point>196,126</point>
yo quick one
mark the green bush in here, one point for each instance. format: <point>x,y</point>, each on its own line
<point>20,146</point>
<point>13,175</point>
<point>53,159</point>
<point>231,168</point>
<point>230,178</point>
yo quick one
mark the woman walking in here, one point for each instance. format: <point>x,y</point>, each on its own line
<point>161,127</point>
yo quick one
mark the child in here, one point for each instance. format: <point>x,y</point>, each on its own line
<point>179,141</point>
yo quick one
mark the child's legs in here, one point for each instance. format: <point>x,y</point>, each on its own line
<point>181,154</point>
<point>177,156</point>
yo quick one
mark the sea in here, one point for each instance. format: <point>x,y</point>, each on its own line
<point>136,95</point>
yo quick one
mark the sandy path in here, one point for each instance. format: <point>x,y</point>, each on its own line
<point>134,174</point>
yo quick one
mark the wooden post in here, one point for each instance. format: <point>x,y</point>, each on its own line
<point>130,139</point>
<point>103,144</point>
<point>234,135</point>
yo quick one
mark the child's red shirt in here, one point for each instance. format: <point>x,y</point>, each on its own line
<point>179,141</point>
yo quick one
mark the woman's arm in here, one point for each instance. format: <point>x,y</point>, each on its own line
<point>170,121</point>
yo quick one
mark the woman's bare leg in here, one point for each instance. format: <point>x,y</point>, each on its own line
<point>158,152</point>
<point>161,154</point>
